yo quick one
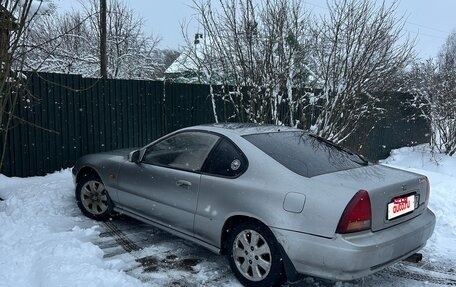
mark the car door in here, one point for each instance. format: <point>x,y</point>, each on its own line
<point>164,185</point>
<point>221,183</point>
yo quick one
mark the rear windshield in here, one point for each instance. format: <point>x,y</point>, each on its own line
<point>305,154</point>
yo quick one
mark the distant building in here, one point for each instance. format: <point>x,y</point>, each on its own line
<point>187,67</point>
<point>194,66</point>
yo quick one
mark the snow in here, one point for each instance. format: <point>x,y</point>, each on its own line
<point>190,58</point>
<point>45,241</point>
<point>40,241</point>
<point>441,171</point>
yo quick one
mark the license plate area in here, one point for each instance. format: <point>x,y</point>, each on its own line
<point>402,205</point>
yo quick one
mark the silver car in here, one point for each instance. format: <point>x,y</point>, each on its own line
<point>276,200</point>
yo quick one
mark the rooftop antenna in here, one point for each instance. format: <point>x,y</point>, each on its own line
<point>198,38</point>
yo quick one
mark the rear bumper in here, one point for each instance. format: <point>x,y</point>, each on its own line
<point>351,256</point>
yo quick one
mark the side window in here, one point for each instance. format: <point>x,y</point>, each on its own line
<point>226,160</point>
<point>187,150</point>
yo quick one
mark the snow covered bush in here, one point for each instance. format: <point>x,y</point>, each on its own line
<point>276,56</point>
<point>358,50</point>
<point>259,49</point>
<point>433,83</point>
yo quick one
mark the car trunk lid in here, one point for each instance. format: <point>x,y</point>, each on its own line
<point>389,190</point>
<point>403,198</point>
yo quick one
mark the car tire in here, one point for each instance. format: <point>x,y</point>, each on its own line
<point>93,198</point>
<point>254,256</point>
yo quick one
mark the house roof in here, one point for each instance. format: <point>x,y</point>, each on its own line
<point>184,63</point>
<point>190,59</point>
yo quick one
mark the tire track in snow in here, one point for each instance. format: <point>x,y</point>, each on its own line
<point>423,275</point>
<point>143,264</point>
<point>120,237</point>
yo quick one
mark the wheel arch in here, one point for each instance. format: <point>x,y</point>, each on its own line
<point>289,268</point>
<point>97,208</point>
<point>229,223</point>
<point>85,171</point>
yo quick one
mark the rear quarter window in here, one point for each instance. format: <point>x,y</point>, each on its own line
<point>225,160</point>
<point>304,154</point>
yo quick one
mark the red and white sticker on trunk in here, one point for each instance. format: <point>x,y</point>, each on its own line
<point>400,206</point>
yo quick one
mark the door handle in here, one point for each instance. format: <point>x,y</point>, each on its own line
<point>183,183</point>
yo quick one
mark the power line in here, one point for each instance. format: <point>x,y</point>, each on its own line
<point>427,27</point>
<point>427,35</point>
<point>315,5</point>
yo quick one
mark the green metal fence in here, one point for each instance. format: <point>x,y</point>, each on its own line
<point>67,116</point>
<point>400,125</point>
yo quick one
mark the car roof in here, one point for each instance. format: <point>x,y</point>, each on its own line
<point>244,128</point>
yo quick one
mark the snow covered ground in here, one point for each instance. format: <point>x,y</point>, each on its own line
<point>45,241</point>
<point>441,171</point>
<point>40,241</point>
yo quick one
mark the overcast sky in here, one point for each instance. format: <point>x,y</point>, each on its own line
<point>429,21</point>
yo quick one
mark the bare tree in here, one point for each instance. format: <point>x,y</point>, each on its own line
<point>258,48</point>
<point>16,18</point>
<point>358,51</point>
<point>434,85</point>
<point>69,43</point>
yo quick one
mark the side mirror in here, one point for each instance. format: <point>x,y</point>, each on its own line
<point>134,156</point>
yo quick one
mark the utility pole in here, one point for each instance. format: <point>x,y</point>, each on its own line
<point>103,52</point>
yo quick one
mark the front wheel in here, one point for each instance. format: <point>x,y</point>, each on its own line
<point>93,199</point>
<point>254,255</point>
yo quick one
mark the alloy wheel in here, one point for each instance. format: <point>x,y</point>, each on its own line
<point>252,255</point>
<point>94,197</point>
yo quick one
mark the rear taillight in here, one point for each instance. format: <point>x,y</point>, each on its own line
<point>428,187</point>
<point>357,215</point>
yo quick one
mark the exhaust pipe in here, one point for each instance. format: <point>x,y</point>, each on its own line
<point>414,258</point>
